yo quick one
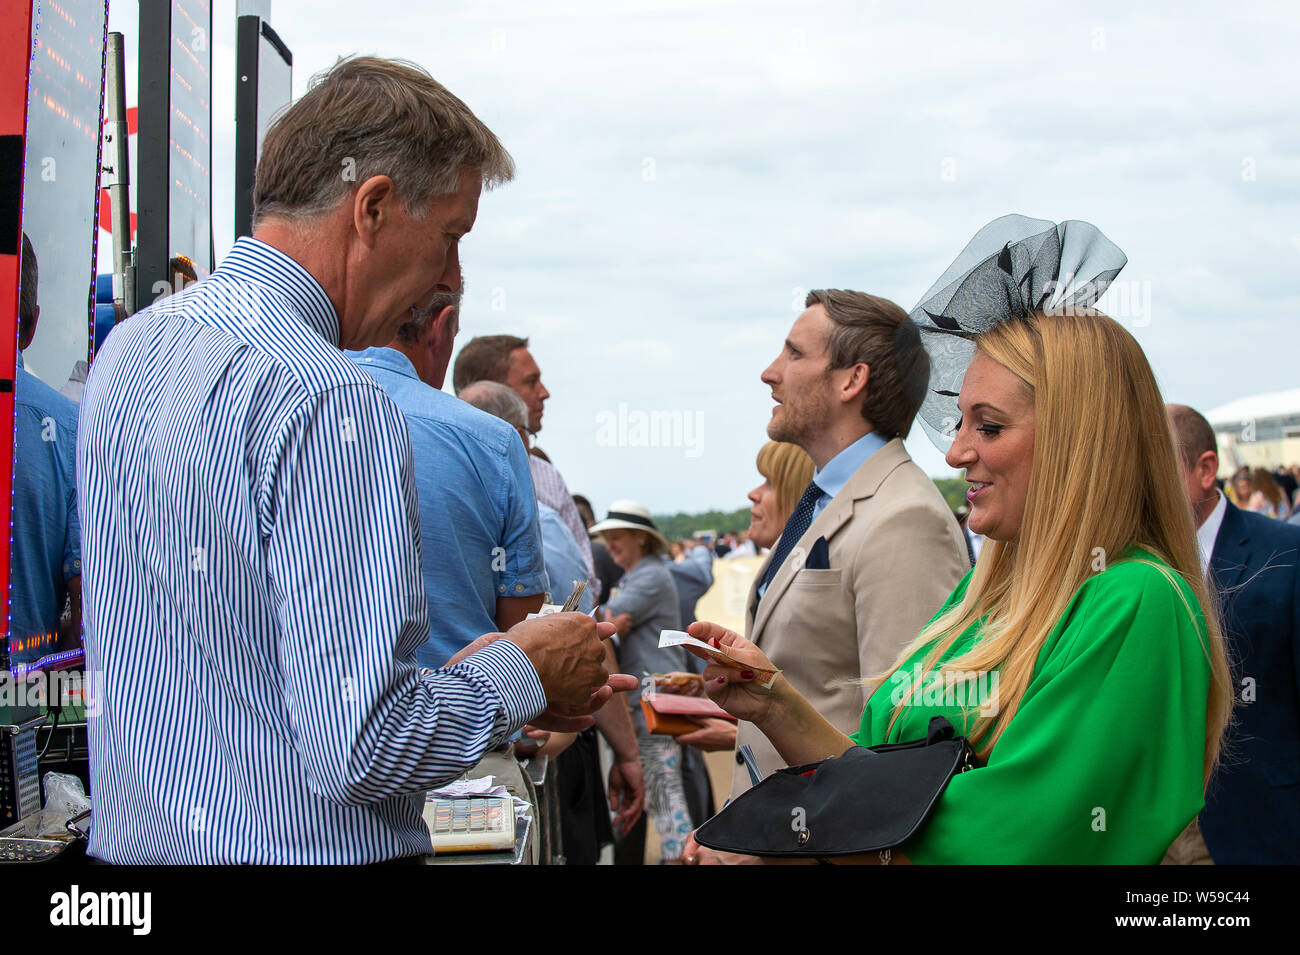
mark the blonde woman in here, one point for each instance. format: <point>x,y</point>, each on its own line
<point>786,470</point>
<point>1102,682</point>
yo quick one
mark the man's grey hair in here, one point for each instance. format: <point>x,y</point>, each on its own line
<point>368,117</point>
<point>410,332</point>
<point>498,400</point>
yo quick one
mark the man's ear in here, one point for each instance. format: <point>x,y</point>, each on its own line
<point>372,207</point>
<point>1207,469</point>
<point>435,332</point>
<point>855,385</point>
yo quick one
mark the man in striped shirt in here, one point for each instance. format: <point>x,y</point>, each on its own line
<point>251,557</point>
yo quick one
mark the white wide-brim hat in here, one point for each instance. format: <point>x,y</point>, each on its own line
<point>629,515</point>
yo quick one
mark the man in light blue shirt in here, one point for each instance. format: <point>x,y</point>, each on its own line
<point>563,559</point>
<point>45,559</point>
<point>481,547</point>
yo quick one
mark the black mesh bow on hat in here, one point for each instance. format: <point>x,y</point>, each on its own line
<point>1014,266</point>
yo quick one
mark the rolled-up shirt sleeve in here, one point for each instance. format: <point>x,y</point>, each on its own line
<point>341,531</point>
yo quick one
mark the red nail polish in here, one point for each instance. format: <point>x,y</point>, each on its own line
<point>747,674</point>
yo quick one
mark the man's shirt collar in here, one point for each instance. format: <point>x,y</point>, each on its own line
<point>390,359</point>
<point>254,261</point>
<point>1207,532</point>
<point>832,478</point>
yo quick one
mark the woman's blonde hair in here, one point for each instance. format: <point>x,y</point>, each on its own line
<point>789,469</point>
<point>1104,479</point>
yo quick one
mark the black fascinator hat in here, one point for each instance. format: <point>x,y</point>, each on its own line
<point>1013,267</point>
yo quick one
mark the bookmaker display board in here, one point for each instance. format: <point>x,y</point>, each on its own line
<point>51,103</point>
<point>264,68</point>
<point>173,143</point>
<point>51,114</point>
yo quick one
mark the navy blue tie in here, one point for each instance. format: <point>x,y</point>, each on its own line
<point>800,520</point>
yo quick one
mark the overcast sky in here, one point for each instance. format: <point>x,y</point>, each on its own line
<point>687,170</point>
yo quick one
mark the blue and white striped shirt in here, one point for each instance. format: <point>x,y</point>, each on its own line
<point>252,591</point>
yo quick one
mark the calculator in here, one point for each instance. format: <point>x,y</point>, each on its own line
<point>471,824</point>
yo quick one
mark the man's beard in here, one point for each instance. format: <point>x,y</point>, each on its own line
<point>790,428</point>
<point>799,424</point>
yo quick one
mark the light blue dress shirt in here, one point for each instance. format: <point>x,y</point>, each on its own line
<point>479,534</point>
<point>832,478</point>
<point>46,548</point>
<point>563,559</point>
<point>252,590</point>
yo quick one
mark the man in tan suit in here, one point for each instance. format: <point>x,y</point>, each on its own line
<point>871,550</point>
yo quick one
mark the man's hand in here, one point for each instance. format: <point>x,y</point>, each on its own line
<point>558,717</point>
<point>568,718</point>
<point>568,653</point>
<point>626,794</point>
<point>714,734</point>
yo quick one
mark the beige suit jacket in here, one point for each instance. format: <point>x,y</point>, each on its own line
<point>896,553</point>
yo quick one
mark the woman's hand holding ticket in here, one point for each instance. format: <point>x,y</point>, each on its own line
<point>736,688</point>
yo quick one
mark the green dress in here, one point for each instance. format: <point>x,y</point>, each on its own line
<point>1103,760</point>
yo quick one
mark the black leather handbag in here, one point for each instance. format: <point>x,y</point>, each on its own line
<point>867,800</point>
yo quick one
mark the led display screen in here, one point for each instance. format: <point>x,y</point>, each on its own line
<point>190,133</point>
<point>61,178</point>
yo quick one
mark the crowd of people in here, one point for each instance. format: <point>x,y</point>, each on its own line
<point>315,585</point>
<point>1272,493</point>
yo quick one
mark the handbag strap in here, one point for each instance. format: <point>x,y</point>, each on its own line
<point>938,731</point>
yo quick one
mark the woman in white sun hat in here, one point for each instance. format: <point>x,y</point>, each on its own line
<point>641,605</point>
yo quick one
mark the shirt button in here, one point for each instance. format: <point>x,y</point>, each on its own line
<point>740,760</point>
<point>519,588</point>
<point>501,589</point>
